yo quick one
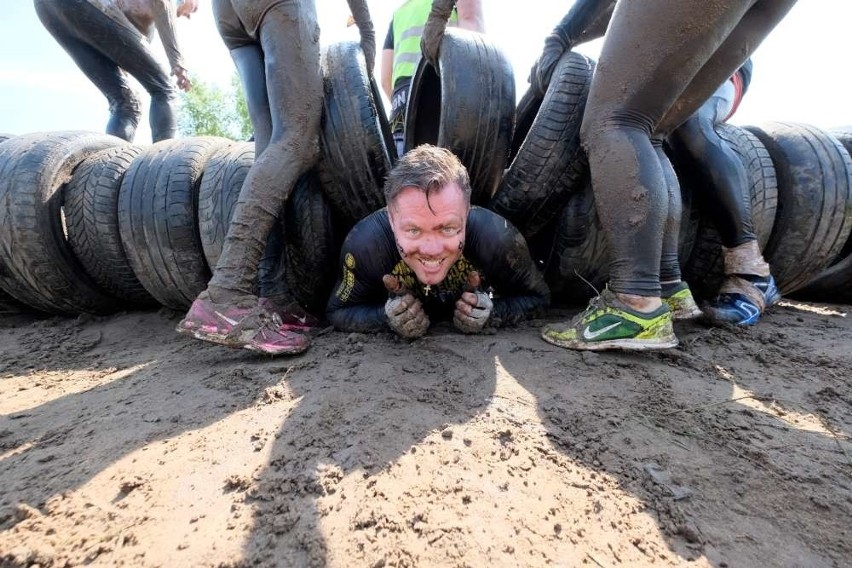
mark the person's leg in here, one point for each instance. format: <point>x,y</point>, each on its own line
<point>289,36</point>
<point>675,293</point>
<point>249,62</point>
<point>653,50</point>
<point>727,202</point>
<point>739,45</point>
<point>748,287</point>
<point>77,26</point>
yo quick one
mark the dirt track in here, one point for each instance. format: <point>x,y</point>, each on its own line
<point>122,443</point>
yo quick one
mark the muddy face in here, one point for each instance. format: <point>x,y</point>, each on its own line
<point>429,234</point>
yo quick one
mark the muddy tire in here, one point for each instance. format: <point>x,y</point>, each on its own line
<point>91,217</point>
<point>310,251</point>
<point>37,265</point>
<point>224,174</point>
<point>468,107</point>
<point>814,215</point>
<point>357,147</point>
<point>549,163</point>
<point>834,284</point>
<point>578,261</point>
<point>157,212</point>
<point>705,267</point>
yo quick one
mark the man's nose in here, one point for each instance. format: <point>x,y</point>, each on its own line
<point>431,245</point>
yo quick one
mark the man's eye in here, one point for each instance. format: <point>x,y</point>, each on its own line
<point>413,232</point>
<point>450,231</point>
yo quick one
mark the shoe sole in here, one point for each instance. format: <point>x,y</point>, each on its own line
<point>625,344</point>
<point>224,340</point>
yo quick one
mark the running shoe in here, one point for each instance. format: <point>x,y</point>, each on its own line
<point>608,323</point>
<point>252,328</point>
<point>744,308</point>
<point>679,299</point>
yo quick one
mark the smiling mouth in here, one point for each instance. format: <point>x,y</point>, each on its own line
<point>431,263</point>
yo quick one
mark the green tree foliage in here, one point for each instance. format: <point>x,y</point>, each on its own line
<point>209,110</point>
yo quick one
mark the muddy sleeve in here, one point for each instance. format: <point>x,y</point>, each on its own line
<point>361,15</point>
<point>519,289</point>
<point>357,301</point>
<point>164,19</point>
<point>585,21</point>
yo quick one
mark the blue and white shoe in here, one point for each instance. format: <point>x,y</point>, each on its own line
<point>745,307</point>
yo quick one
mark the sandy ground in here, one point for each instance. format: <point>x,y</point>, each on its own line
<point>122,443</point>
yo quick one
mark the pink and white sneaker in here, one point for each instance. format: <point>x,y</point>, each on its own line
<point>252,328</point>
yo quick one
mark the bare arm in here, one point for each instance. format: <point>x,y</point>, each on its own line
<point>470,15</point>
<point>387,72</point>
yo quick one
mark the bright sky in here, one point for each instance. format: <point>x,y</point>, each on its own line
<point>798,75</point>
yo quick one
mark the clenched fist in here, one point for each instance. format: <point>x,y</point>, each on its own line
<point>473,308</point>
<point>404,312</point>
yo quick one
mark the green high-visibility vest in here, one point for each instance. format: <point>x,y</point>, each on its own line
<point>408,22</point>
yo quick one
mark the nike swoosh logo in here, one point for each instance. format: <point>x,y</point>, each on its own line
<point>587,334</point>
<point>226,318</point>
<point>302,319</point>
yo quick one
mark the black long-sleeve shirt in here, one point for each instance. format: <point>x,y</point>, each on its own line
<point>493,247</point>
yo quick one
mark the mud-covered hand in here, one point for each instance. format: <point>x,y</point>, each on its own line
<point>473,308</point>
<point>433,31</point>
<point>404,312</point>
<point>361,15</point>
<point>182,77</point>
<point>555,45</point>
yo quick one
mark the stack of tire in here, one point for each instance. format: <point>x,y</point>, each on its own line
<point>92,224</point>
<point>89,223</point>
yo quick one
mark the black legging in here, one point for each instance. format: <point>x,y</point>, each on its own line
<point>101,48</point>
<point>726,203</point>
<point>660,61</point>
<point>279,66</point>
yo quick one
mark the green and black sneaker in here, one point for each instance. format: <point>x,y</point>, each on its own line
<point>680,301</point>
<point>609,324</point>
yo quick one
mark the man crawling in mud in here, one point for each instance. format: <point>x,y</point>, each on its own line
<point>107,38</point>
<point>429,255</point>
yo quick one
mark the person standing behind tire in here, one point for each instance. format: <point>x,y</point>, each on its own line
<point>401,52</point>
<point>749,287</point>
<point>275,45</point>
<point>106,38</point>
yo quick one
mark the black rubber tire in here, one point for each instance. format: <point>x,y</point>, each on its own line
<point>705,267</point>
<point>310,246</point>
<point>157,212</point>
<point>834,284</point>
<point>467,108</point>
<point>224,174</point>
<point>549,164</point>
<point>91,218</point>
<point>8,304</point>
<point>814,215</point>
<point>37,265</point>
<point>357,147</point>
<point>578,262</point>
